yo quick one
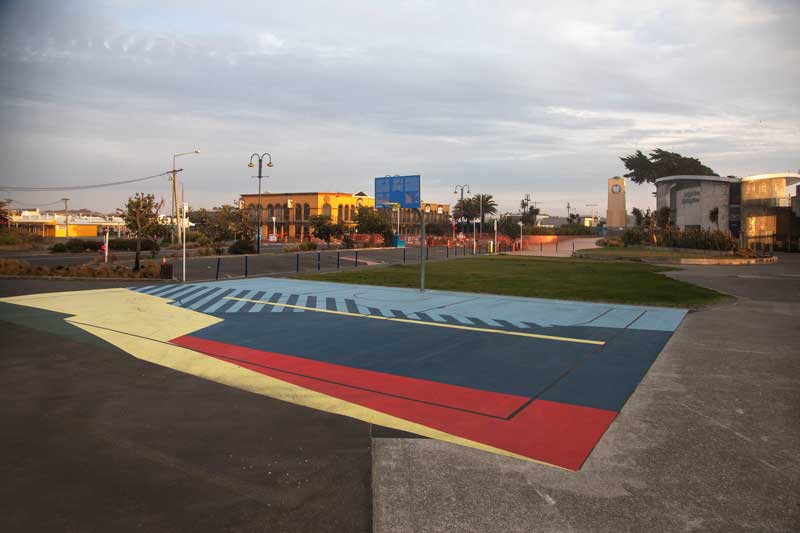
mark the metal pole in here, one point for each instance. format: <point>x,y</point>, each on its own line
<point>245,266</point>
<point>66,213</point>
<point>218,262</point>
<point>175,198</point>
<point>258,233</point>
<point>319,260</point>
<point>421,257</point>
<point>338,254</point>
<point>356,266</point>
<point>404,256</point>
<point>105,252</point>
<point>297,263</point>
<point>184,244</point>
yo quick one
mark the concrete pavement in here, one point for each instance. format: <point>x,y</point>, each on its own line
<point>709,441</point>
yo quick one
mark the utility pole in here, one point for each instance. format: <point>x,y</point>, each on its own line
<point>66,213</point>
<point>175,209</point>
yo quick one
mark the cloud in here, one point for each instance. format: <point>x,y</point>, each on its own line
<point>521,98</point>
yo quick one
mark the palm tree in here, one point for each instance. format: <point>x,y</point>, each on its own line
<point>486,202</point>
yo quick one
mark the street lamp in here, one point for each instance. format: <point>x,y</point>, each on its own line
<point>175,210</point>
<point>455,191</point>
<point>520,235</point>
<point>260,164</point>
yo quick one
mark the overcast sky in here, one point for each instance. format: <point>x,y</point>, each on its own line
<point>510,98</point>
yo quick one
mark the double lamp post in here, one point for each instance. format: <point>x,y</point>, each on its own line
<point>260,166</point>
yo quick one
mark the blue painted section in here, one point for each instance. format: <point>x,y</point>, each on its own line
<point>438,305</point>
<point>610,376</point>
<point>513,365</point>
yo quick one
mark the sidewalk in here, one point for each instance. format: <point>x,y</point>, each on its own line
<point>561,249</point>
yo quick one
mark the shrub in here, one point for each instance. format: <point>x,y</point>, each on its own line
<point>567,229</point>
<point>59,248</point>
<point>307,246</point>
<point>348,242</point>
<point>699,239</point>
<point>632,237</point>
<point>242,247</point>
<point>80,245</point>
<point>129,245</point>
<point>609,242</point>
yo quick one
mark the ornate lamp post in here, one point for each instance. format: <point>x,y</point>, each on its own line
<point>260,165</point>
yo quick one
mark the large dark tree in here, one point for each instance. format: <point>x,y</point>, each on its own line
<point>661,163</point>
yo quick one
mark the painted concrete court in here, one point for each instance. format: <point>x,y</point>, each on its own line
<point>535,379</point>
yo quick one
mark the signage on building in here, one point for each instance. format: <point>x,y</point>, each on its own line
<point>690,196</point>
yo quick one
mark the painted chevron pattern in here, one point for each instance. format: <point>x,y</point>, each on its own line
<point>216,301</point>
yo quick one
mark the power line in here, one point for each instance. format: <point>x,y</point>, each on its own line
<point>84,187</point>
<point>26,206</point>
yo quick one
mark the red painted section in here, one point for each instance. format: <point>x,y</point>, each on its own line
<point>485,402</point>
<point>555,433</point>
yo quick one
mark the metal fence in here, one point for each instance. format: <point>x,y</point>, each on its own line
<point>242,266</point>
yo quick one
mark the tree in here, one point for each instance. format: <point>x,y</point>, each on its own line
<point>323,227</point>
<point>467,209</point>
<point>370,222</point>
<point>508,226</point>
<point>489,205</point>
<point>141,217</point>
<point>574,218</point>
<point>713,216</point>
<point>663,217</point>
<point>5,218</point>
<point>661,163</point>
<point>529,217</point>
<point>638,215</point>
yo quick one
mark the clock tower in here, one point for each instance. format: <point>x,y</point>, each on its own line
<point>616,216</point>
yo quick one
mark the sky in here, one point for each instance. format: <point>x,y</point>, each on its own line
<point>509,98</point>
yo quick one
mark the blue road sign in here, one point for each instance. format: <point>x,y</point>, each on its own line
<point>402,190</point>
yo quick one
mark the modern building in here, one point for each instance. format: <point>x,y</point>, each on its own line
<point>56,226</point>
<point>616,215</point>
<point>288,214</point>
<point>755,209</point>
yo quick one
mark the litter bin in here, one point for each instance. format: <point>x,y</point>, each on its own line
<point>166,271</point>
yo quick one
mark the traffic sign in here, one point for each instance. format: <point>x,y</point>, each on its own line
<point>403,190</point>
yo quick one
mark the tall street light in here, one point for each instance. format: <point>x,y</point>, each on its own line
<point>260,165</point>
<point>175,211</point>
<point>455,191</point>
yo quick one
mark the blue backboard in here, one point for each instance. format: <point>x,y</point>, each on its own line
<point>403,190</point>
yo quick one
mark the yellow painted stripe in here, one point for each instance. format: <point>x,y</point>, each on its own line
<point>423,323</point>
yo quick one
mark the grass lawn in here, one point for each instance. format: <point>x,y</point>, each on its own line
<point>566,279</point>
<point>636,252</point>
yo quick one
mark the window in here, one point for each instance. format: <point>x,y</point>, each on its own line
<point>306,211</point>
<point>298,212</point>
<point>278,212</point>
<point>347,212</point>
<point>286,211</point>
<point>270,212</point>
<point>340,212</point>
<point>326,210</point>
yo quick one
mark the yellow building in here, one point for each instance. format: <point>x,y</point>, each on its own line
<point>59,226</point>
<point>287,214</point>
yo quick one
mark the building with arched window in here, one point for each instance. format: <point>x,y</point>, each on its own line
<point>288,214</point>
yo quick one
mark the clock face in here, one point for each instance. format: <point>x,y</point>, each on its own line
<point>616,188</point>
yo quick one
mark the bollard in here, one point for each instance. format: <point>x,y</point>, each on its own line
<point>218,261</point>
<point>427,252</point>
<point>337,260</point>
<point>356,259</point>
<point>556,244</point>
<point>541,246</point>
<point>245,266</point>
<point>297,263</point>
<point>447,253</point>
<point>573,246</point>
<point>404,256</point>
<point>319,260</point>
